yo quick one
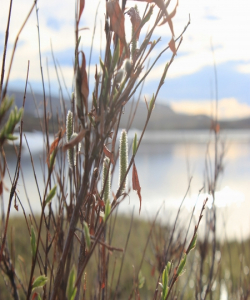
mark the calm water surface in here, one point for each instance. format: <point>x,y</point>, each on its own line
<point>166,161</point>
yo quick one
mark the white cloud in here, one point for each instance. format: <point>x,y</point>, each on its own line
<point>228,108</point>
<point>226,22</point>
<point>244,68</point>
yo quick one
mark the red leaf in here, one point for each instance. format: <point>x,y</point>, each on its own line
<point>117,22</point>
<point>170,17</point>
<point>136,184</point>
<point>15,205</point>
<point>84,81</point>
<point>217,128</point>
<point>34,296</point>
<point>75,141</point>
<point>153,271</point>
<point>172,46</point>
<point>161,5</point>
<point>53,145</point>
<point>108,154</point>
<point>81,8</point>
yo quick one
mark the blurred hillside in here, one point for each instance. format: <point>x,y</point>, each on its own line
<point>163,117</point>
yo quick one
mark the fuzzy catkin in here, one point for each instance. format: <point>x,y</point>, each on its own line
<point>69,125</point>
<point>69,135</point>
<point>123,159</point>
<point>106,180</point>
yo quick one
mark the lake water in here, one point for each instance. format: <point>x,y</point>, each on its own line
<point>165,163</point>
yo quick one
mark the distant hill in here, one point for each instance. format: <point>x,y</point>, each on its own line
<point>34,102</point>
<point>162,118</point>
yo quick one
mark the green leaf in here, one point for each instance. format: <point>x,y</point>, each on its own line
<point>102,65</point>
<point>52,160</point>
<point>115,58</point>
<point>182,265</point>
<point>148,16</point>
<point>193,243</point>
<point>141,280</point>
<point>182,272</point>
<point>165,293</point>
<point>168,266</point>
<point>39,282</point>
<point>51,195</point>
<point>165,276</point>
<point>11,137</point>
<point>135,144</point>
<point>78,42</point>
<point>33,242</point>
<point>165,72</point>
<point>107,211</point>
<point>39,297</point>
<point>86,235</point>
<point>164,279</point>
<point>71,290</point>
<point>151,104</point>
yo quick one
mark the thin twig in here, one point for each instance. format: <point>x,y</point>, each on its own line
<point>16,176</point>
<point>14,48</point>
<point>5,49</point>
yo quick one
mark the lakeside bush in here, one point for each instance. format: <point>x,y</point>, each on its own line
<point>79,248</point>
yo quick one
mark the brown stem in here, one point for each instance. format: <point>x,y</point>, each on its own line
<point>5,49</point>
<point>13,188</point>
<point>14,48</point>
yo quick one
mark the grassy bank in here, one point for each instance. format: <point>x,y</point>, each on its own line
<point>232,261</point>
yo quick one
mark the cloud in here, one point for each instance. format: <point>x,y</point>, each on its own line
<point>244,68</point>
<point>228,108</point>
<point>225,22</point>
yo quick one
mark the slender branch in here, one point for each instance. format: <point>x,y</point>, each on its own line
<point>13,188</point>
<point>14,48</point>
<point>5,49</point>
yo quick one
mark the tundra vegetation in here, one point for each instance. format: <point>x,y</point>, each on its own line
<point>79,247</point>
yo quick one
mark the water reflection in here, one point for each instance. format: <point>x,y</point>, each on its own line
<point>165,163</point>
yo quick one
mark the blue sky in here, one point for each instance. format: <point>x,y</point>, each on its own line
<point>189,85</point>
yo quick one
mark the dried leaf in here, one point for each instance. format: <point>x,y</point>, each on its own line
<point>117,22</point>
<point>15,205</point>
<point>152,271</point>
<point>34,296</point>
<point>110,135</point>
<point>108,154</point>
<point>161,5</point>
<point>172,46</point>
<point>81,8</point>
<point>84,81</point>
<point>170,16</point>
<point>217,128</point>
<point>76,140</point>
<point>136,184</point>
<point>53,145</point>
<point>136,21</point>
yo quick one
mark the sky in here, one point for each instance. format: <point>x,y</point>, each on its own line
<point>190,82</point>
